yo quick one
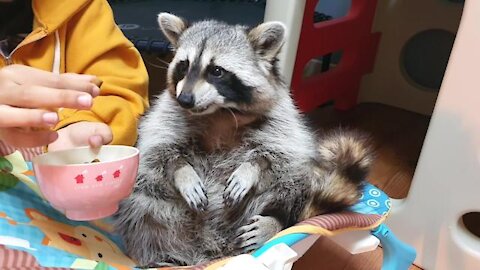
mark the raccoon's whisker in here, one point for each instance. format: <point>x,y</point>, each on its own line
<point>155,65</point>
<point>236,120</point>
<point>163,61</point>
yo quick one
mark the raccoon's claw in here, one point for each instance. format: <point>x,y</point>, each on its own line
<point>196,198</point>
<point>240,183</point>
<point>258,231</point>
<point>191,187</point>
<point>234,193</point>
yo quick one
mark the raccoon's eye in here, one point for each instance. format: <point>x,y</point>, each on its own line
<point>182,67</point>
<point>217,72</point>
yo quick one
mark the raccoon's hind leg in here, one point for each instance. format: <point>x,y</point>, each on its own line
<point>276,190</point>
<point>271,211</point>
<point>258,231</point>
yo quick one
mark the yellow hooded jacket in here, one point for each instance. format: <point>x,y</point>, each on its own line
<point>80,36</point>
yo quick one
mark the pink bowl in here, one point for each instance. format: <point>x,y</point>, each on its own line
<point>84,190</point>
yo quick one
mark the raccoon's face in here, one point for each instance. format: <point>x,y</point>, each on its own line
<point>220,66</point>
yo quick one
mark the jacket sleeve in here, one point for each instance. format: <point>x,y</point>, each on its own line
<point>96,46</point>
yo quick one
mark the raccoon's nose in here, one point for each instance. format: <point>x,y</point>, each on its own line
<point>186,100</point>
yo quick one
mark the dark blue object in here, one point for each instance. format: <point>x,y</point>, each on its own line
<point>138,18</point>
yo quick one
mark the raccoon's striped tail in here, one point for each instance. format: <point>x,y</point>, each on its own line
<point>344,160</point>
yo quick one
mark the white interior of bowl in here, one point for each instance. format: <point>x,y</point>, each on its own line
<point>85,155</point>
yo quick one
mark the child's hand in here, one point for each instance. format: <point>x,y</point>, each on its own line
<point>27,93</point>
<point>82,134</point>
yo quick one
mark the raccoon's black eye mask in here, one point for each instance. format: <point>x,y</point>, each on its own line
<point>229,85</point>
<point>181,70</point>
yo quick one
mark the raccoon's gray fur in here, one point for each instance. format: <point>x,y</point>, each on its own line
<point>227,161</point>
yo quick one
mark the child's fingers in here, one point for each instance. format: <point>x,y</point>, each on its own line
<point>104,131</point>
<point>95,141</point>
<point>32,96</point>
<point>93,134</point>
<point>19,117</point>
<point>102,135</point>
<point>84,77</point>
<point>30,76</point>
<point>84,83</point>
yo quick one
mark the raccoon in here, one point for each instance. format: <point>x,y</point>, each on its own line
<point>227,159</point>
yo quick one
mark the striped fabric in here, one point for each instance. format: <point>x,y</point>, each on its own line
<point>333,222</point>
<point>28,153</point>
<point>19,260</point>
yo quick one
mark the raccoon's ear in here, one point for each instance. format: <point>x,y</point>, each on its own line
<point>267,39</point>
<point>172,26</point>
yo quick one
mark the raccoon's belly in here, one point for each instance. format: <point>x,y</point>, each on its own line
<point>219,222</point>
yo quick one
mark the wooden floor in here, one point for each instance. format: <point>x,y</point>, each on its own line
<point>398,137</point>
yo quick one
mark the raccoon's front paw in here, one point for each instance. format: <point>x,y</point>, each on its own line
<point>240,183</point>
<point>259,230</point>
<point>191,187</point>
